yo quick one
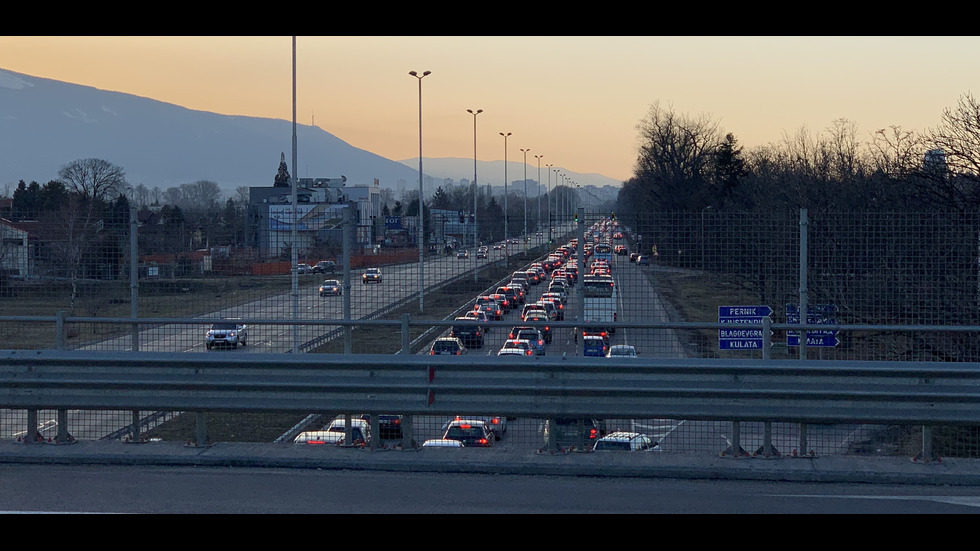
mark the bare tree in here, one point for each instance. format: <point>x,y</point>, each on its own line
<point>958,137</point>
<point>93,178</point>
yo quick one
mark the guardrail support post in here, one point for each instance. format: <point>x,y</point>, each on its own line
<point>63,436</point>
<point>31,435</point>
<point>926,453</point>
<point>201,428</point>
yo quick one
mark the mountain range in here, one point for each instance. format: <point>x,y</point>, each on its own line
<point>45,124</point>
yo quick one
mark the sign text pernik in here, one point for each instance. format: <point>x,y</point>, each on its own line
<point>741,338</point>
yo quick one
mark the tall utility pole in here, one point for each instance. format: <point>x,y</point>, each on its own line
<point>537,221</point>
<point>421,195</point>
<point>294,254</point>
<point>549,202</point>
<point>526,236</point>
<point>506,244</point>
<point>476,240</point>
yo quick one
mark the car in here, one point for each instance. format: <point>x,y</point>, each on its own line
<point>490,307</point>
<point>621,351</point>
<point>442,443</point>
<point>482,252</point>
<point>389,425</point>
<point>478,316</point>
<point>226,334</point>
<point>540,316</point>
<point>451,346</point>
<point>473,433</point>
<point>371,275</point>
<point>559,307</point>
<point>549,307</point>
<point>515,294</point>
<point>567,432</point>
<point>504,300</point>
<point>330,287</point>
<point>643,260</point>
<point>594,345</point>
<point>496,247</point>
<point>304,269</point>
<point>522,345</point>
<point>558,295</point>
<point>634,256</point>
<point>335,433</point>
<point>624,441</point>
<point>496,423</point>
<point>534,307</point>
<point>325,267</point>
<point>534,338</point>
<point>462,254</point>
<point>470,334</point>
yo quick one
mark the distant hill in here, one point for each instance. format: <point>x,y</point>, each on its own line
<point>45,124</point>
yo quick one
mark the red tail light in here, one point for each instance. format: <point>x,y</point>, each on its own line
<point>592,434</point>
<point>432,352</point>
<point>529,352</point>
<point>482,441</point>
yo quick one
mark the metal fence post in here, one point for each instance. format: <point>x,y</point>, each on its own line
<point>134,427</point>
<point>60,331</point>
<point>134,278</point>
<point>926,453</point>
<point>348,338</point>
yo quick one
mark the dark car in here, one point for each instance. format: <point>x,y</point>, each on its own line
<point>447,345</point>
<point>471,334</point>
<point>471,432</point>
<point>389,425</point>
<point>330,287</point>
<point>325,267</point>
<point>567,432</point>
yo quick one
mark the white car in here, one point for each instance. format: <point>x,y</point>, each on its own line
<point>226,334</point>
<point>334,433</point>
<point>442,443</point>
<point>624,441</point>
<point>520,347</point>
<point>621,351</point>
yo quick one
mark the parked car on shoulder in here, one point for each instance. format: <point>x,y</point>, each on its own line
<point>325,267</point>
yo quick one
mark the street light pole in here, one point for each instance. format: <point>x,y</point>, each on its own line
<point>549,201</point>
<point>526,236</point>
<point>421,195</point>
<point>506,244</point>
<point>537,221</point>
<point>476,240</point>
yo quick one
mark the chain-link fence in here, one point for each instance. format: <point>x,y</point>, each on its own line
<point>908,281</point>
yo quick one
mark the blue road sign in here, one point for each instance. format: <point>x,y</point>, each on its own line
<point>739,338</point>
<point>815,314</point>
<point>393,222</point>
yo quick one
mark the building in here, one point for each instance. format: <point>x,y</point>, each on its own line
<point>318,215</point>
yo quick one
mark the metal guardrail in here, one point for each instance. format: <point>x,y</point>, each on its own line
<point>809,391</point>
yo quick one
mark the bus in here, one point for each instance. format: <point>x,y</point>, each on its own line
<point>602,251</point>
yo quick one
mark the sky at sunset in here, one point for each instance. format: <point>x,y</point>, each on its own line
<point>575,100</point>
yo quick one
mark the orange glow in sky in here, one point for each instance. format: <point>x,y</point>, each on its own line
<point>576,100</point>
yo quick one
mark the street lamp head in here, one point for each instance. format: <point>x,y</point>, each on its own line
<point>478,111</point>
<point>416,75</point>
<point>505,135</point>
